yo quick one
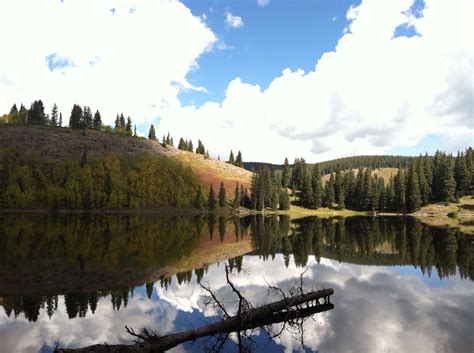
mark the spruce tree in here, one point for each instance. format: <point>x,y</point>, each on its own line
<point>329,197</point>
<point>151,133</point>
<point>190,146</point>
<point>122,121</point>
<point>413,196</point>
<point>54,115</point>
<point>211,200</point>
<point>199,200</point>
<point>36,115</point>
<point>284,200</point>
<point>317,186</point>
<point>231,158</point>
<point>238,160</point>
<point>461,175</point>
<point>128,127</point>
<point>181,144</point>
<point>97,123</point>
<point>76,117</point>
<point>237,196</point>
<point>222,196</point>
<point>285,174</point>
<point>425,190</point>
<point>14,109</point>
<point>399,191</point>
<point>307,193</point>
<point>60,119</point>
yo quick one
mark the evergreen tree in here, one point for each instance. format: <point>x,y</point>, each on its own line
<point>284,200</point>
<point>461,175</point>
<point>425,190</point>
<point>135,130</point>
<point>97,122</point>
<point>307,193</point>
<point>181,144</point>
<point>122,121</point>
<point>60,119</point>
<point>36,114</point>
<point>87,118</point>
<point>237,196</point>
<point>54,115</point>
<point>238,160</point>
<point>200,148</point>
<point>399,191</point>
<point>14,109</point>
<point>231,158</point>
<point>222,196</point>
<point>211,200</point>
<point>285,174</point>
<point>317,186</point>
<point>128,127</point>
<point>329,196</point>
<point>413,196</point>
<point>151,133</point>
<point>168,139</point>
<point>117,122</point>
<point>76,117</point>
<point>199,201</point>
<point>190,146</point>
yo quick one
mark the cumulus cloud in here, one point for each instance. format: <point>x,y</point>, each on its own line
<point>233,21</point>
<point>129,56</point>
<point>373,93</point>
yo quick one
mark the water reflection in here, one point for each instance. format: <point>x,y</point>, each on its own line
<point>399,284</point>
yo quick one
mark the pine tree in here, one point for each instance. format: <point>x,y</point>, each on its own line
<point>97,123</point>
<point>87,118</point>
<point>168,139</point>
<point>237,196</point>
<point>422,181</point>
<point>285,174</point>
<point>399,191</point>
<point>238,160</point>
<point>181,144</point>
<point>329,196</point>
<point>76,117</point>
<point>413,196</point>
<point>317,186</point>
<point>151,133</point>
<point>128,128</point>
<point>284,200</point>
<point>307,193</point>
<point>122,121</point>
<point>222,196</point>
<point>231,158</point>
<point>461,175</point>
<point>211,200</point>
<point>36,114</point>
<point>190,146</point>
<point>199,200</point>
<point>54,115</point>
<point>14,109</point>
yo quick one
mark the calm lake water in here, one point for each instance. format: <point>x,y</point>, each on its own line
<point>76,280</point>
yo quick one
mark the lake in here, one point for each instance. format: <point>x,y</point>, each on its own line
<point>77,280</point>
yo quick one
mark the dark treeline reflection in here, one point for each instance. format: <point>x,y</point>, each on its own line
<point>367,241</point>
<point>92,258</point>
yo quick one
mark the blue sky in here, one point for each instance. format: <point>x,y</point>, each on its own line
<point>282,34</point>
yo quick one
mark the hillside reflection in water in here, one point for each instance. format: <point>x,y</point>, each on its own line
<point>78,280</point>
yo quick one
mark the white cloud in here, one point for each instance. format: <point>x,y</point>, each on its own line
<point>129,61</point>
<point>263,3</point>
<point>371,94</point>
<point>233,21</point>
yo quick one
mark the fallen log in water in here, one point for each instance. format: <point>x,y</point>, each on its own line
<point>295,307</point>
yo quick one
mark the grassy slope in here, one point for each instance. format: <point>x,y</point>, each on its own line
<point>61,143</point>
<point>385,173</point>
<point>437,214</point>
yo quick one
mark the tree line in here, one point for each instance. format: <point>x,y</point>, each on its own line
<point>426,179</point>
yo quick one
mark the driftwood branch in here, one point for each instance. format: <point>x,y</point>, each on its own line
<point>276,312</point>
<point>291,310</point>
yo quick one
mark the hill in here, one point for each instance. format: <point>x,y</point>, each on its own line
<point>36,159</point>
<point>355,162</point>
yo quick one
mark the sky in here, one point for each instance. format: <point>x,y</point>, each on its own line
<point>316,79</point>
